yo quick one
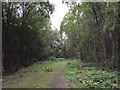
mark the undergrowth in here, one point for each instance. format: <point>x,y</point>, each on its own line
<point>85,75</point>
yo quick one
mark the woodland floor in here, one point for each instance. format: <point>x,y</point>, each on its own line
<point>36,76</point>
<point>64,74</point>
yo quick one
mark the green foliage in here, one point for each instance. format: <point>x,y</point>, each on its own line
<point>25,30</point>
<point>83,75</point>
<point>91,33</point>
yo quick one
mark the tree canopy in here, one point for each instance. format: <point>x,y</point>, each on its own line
<point>92,31</point>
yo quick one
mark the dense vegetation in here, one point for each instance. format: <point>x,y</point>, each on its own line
<point>82,74</point>
<point>25,29</point>
<point>89,33</point>
<point>93,33</point>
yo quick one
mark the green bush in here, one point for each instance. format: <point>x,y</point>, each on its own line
<point>84,75</point>
<point>53,58</point>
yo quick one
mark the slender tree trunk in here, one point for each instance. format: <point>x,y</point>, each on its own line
<point>100,23</point>
<point>118,35</point>
<point>94,52</point>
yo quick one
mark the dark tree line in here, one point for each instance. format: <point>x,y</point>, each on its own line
<point>26,34</point>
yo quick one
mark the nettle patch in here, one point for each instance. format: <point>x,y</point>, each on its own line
<point>85,75</point>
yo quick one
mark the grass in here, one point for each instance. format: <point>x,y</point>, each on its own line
<point>85,75</point>
<point>79,75</point>
<point>35,76</point>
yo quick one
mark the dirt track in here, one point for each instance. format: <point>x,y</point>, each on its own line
<point>59,81</point>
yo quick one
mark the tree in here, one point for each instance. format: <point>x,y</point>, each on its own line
<point>91,33</point>
<point>23,34</point>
